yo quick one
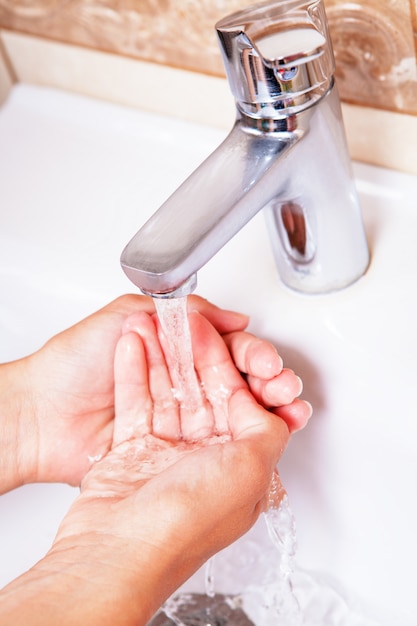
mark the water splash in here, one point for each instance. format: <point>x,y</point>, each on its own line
<point>196,609</point>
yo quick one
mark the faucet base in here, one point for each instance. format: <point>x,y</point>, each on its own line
<point>315,222</point>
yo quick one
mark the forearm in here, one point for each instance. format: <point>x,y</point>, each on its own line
<point>16,427</point>
<point>100,585</point>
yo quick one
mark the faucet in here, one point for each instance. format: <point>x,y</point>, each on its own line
<point>286,154</point>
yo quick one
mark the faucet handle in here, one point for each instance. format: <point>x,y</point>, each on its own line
<point>278,57</point>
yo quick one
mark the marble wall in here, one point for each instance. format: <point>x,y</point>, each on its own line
<point>375,41</point>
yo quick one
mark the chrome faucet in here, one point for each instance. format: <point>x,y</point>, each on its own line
<point>286,154</point>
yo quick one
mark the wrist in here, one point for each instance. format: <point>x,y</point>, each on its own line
<point>91,579</point>
<point>138,567</point>
<point>71,585</point>
<point>17,427</point>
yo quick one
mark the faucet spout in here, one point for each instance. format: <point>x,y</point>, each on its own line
<point>286,154</point>
<point>207,210</point>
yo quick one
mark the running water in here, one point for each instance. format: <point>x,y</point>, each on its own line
<point>203,412</point>
<point>281,526</point>
<point>172,315</point>
<point>209,578</point>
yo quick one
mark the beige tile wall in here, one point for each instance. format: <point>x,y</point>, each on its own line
<point>374,40</point>
<point>108,49</point>
<point>375,49</point>
<point>7,76</point>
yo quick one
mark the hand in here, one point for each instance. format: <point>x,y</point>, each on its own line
<point>153,510</point>
<point>57,405</point>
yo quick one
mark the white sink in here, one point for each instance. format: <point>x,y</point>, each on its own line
<point>77,179</point>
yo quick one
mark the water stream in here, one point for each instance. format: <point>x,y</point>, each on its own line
<point>172,315</point>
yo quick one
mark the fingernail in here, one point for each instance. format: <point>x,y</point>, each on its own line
<point>300,385</point>
<point>310,406</point>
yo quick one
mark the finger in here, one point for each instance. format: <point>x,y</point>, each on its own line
<point>224,321</point>
<point>133,404</point>
<point>253,356</point>
<point>277,391</point>
<point>250,422</point>
<point>131,303</point>
<point>165,418</point>
<point>215,369</point>
<point>296,415</point>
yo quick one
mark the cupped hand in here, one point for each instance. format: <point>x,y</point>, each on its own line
<point>159,503</point>
<point>166,504</point>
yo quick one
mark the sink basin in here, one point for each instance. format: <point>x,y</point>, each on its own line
<point>77,179</point>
